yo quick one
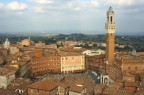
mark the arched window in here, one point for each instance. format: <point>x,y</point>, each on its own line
<point>129,68</point>
<point>105,81</point>
<point>136,68</point>
<point>111,19</point>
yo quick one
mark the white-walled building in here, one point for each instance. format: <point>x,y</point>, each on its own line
<point>101,44</point>
<point>14,49</point>
<point>7,44</point>
<point>72,62</point>
<point>94,52</point>
<point>6,76</point>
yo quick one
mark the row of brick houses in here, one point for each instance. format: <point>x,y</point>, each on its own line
<point>130,63</point>
<point>45,64</point>
<point>61,63</point>
<point>93,62</point>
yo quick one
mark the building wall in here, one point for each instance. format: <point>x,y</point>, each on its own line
<point>39,44</point>
<point>129,78</point>
<point>5,80</point>
<point>62,90</point>
<point>130,63</point>
<point>74,93</point>
<point>10,78</point>
<point>133,67</point>
<point>37,92</point>
<point>54,46</point>
<point>32,91</point>
<point>92,62</point>
<point>46,64</point>
<point>57,64</point>
<point>72,63</point>
<point>94,52</point>
<point>13,50</point>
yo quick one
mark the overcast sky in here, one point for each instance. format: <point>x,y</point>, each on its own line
<point>70,16</point>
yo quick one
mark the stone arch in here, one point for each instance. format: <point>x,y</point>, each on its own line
<point>105,80</point>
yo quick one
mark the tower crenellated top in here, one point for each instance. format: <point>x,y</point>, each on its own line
<point>110,24</point>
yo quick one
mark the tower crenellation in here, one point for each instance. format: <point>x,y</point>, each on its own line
<point>110,24</point>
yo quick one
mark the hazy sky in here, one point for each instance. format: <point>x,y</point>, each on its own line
<point>70,16</point>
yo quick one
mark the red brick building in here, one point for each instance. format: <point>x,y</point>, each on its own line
<point>130,63</point>
<point>45,64</point>
<point>93,62</point>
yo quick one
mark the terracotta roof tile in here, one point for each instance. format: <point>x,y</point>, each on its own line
<point>48,84</point>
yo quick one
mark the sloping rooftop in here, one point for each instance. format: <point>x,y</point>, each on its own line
<point>6,71</point>
<point>48,85</point>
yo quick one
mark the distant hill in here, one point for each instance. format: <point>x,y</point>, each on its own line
<point>134,41</point>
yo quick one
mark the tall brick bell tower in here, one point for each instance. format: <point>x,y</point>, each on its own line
<point>110,36</point>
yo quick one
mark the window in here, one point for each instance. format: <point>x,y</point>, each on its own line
<point>111,19</point>
<point>129,68</point>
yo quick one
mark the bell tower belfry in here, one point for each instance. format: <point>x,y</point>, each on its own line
<point>110,36</point>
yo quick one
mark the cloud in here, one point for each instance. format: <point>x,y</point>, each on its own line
<point>41,6</point>
<point>39,10</point>
<point>44,1</point>
<point>94,3</point>
<point>77,8</point>
<point>1,5</point>
<point>81,5</point>
<point>16,6</point>
<point>122,2</point>
<point>125,2</point>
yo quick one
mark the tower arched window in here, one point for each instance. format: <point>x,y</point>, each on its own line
<point>111,19</point>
